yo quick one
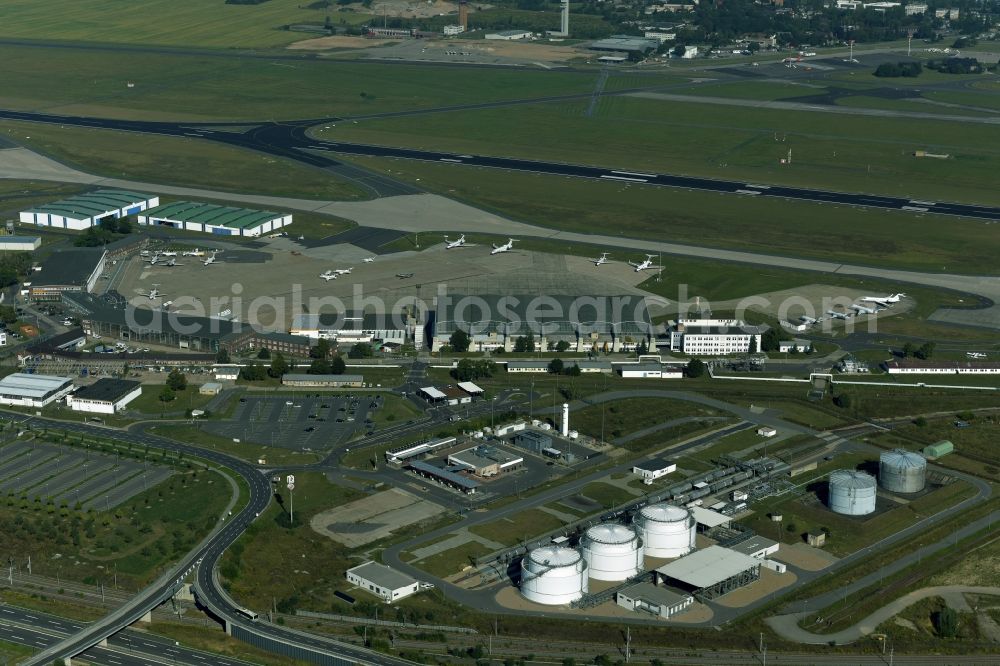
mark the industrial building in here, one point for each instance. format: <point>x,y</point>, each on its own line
<point>650,470</point>
<point>24,390</point>
<point>667,530</point>
<point>756,546</point>
<point>651,371</point>
<point>214,219</point>
<point>852,493</point>
<point>602,323</point>
<point>105,396</point>
<point>612,552</point>
<point>711,572</point>
<point>210,388</point>
<point>532,440</point>
<point>554,576</point>
<point>509,35</point>
<point>323,381</point>
<point>626,43</point>
<point>485,461</point>
<point>384,582</point>
<point>70,270</point>
<point>715,337</point>
<point>653,599</point>
<point>20,243</point>
<point>446,477</point>
<point>86,210</point>
<point>901,471</point>
<point>352,327</point>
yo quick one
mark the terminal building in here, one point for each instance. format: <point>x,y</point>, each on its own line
<point>353,326</point>
<point>105,396</point>
<point>715,337</point>
<point>87,210</point>
<point>24,390</point>
<point>214,219</point>
<point>71,270</point>
<point>384,582</point>
<point>602,323</point>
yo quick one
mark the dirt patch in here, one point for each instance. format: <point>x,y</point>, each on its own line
<point>372,518</point>
<point>339,42</point>
<point>769,582</point>
<point>805,557</point>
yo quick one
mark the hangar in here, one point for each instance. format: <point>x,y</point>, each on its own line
<point>214,219</point>
<point>26,390</point>
<point>86,210</point>
<point>105,396</point>
<point>71,270</point>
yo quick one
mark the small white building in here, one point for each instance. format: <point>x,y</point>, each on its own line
<point>105,396</point>
<point>650,470</point>
<point>509,35</point>
<point>756,546</point>
<point>210,388</point>
<point>690,52</point>
<point>20,243</point>
<point>25,390</point>
<point>226,373</point>
<point>651,371</point>
<point>767,431</point>
<point>915,8</point>
<point>382,581</point>
<point>798,345</point>
<point>653,599</point>
<point>452,30</point>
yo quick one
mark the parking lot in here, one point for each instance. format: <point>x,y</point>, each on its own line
<point>74,476</point>
<point>300,422</point>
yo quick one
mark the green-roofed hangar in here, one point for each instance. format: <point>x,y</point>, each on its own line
<point>213,219</point>
<point>86,210</point>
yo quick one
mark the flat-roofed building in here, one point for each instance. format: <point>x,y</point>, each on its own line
<point>486,461</point>
<point>446,477</point>
<point>105,396</point>
<point>650,470</point>
<point>650,371</point>
<point>354,326</point>
<point>210,388</point>
<point>756,546</point>
<point>215,219</point>
<point>20,243</point>
<point>323,381</point>
<point>715,337</point>
<point>83,211</point>
<point>711,572</point>
<point>70,270</point>
<point>653,599</point>
<point>384,582</point>
<point>23,390</point>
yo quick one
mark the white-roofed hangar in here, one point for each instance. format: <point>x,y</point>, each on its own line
<point>214,219</point>
<point>26,390</point>
<point>86,210</point>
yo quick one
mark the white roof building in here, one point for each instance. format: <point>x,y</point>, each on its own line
<point>24,390</point>
<point>382,581</point>
<point>711,572</point>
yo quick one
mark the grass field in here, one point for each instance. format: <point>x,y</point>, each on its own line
<point>453,560</point>
<point>233,86</point>
<point>835,233</point>
<point>149,402</point>
<point>178,161</point>
<point>851,153</point>
<point>519,527</point>
<point>394,409</point>
<point>246,450</point>
<point>622,417</point>
<point>606,495</point>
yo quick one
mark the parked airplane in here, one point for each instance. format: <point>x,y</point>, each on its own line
<point>403,276</point>
<point>153,293</point>
<point>808,320</point>
<point>369,260</point>
<point>197,252</point>
<point>643,265</point>
<point>168,253</point>
<point>863,309</point>
<point>603,259</point>
<point>884,301</point>
<point>211,259</point>
<point>327,275</point>
<point>342,271</point>
<point>838,315</point>
<point>171,263</point>
<point>154,259</point>
<point>506,247</point>
<point>458,242</point>
<point>975,354</point>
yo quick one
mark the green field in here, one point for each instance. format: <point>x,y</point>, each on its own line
<point>606,495</point>
<point>192,434</point>
<point>622,417</point>
<point>519,527</point>
<point>794,228</point>
<point>850,153</point>
<point>453,560</point>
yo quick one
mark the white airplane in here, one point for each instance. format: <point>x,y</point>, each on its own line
<point>342,271</point>
<point>369,260</point>
<point>211,259</point>
<point>838,315</point>
<point>153,293</point>
<point>458,242</point>
<point>603,259</point>
<point>197,252</point>
<point>506,247</point>
<point>863,309</point>
<point>154,259</point>
<point>327,275</point>
<point>975,354</point>
<point>171,263</point>
<point>168,253</point>
<point>643,265</point>
<point>884,301</point>
<point>807,320</point>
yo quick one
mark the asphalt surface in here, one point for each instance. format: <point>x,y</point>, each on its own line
<point>290,140</point>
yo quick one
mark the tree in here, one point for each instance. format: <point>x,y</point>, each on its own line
<point>264,353</point>
<point>695,368</point>
<point>524,343</point>
<point>572,370</point>
<point>843,401</point>
<point>556,366</point>
<point>176,380</point>
<point>908,349</point>
<point>925,351</point>
<point>167,394</point>
<point>321,349</point>
<point>770,341</point>
<point>459,341</point>
<point>642,347</point>
<point>361,350</point>
<point>337,365</point>
<point>222,356</point>
<point>279,366</point>
<point>319,366</point>
<point>562,346</point>
<point>946,622</point>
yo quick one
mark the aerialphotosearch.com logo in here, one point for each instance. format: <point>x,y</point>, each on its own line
<point>538,313</point>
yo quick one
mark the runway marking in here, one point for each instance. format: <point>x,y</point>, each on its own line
<point>922,203</point>
<point>632,173</point>
<point>633,180</point>
<point>759,187</point>
<point>747,192</point>
<point>448,159</point>
<point>915,209</point>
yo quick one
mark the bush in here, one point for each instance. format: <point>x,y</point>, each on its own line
<point>898,69</point>
<point>946,622</point>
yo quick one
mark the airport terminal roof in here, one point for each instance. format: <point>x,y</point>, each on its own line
<point>106,389</point>
<point>86,205</point>
<point>211,214</point>
<point>383,576</point>
<point>706,567</point>
<point>31,386</point>
<point>72,266</point>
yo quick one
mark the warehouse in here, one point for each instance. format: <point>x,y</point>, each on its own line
<point>485,461</point>
<point>214,219</point>
<point>710,573</point>
<point>86,210</point>
<point>384,582</point>
<point>653,599</point>
<point>70,270</point>
<point>625,43</point>
<point>24,390</point>
<point>509,35</point>
<point>323,381</point>
<point>105,396</point>
<point>20,243</point>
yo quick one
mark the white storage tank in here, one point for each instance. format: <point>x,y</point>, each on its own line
<point>902,471</point>
<point>667,530</point>
<point>852,492</point>
<point>612,552</point>
<point>553,575</point>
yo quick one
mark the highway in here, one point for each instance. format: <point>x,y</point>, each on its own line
<point>291,140</point>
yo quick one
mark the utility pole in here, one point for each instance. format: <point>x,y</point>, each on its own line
<point>628,643</point>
